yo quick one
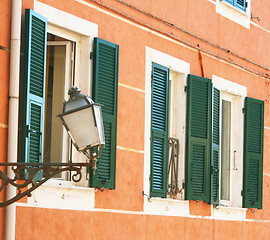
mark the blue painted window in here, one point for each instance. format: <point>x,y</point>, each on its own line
<point>241,4</point>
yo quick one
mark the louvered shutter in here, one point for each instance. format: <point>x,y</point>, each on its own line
<point>34,80</point>
<point>105,85</point>
<point>253,153</point>
<point>198,144</point>
<point>159,130</point>
<point>215,147</point>
<point>241,4</point>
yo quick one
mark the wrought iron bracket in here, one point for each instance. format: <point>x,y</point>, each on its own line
<point>25,173</point>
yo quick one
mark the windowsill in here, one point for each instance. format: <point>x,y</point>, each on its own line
<point>61,183</point>
<point>233,13</point>
<point>229,213</point>
<point>60,194</point>
<point>166,206</point>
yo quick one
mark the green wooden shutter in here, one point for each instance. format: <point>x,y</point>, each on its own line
<point>198,139</point>
<point>215,147</point>
<point>159,130</point>
<point>253,153</point>
<point>105,85</point>
<point>34,81</point>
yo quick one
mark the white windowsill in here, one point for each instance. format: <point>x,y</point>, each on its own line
<point>60,194</point>
<point>166,207</point>
<point>229,213</point>
<point>233,13</point>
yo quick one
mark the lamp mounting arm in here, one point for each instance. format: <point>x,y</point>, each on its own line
<point>25,173</point>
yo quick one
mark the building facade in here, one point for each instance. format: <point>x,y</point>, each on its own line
<point>184,86</point>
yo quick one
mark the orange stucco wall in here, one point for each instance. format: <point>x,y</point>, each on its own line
<point>199,18</point>
<point>68,224</point>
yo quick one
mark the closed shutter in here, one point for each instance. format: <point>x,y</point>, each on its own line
<point>198,145</point>
<point>253,153</point>
<point>241,4</point>
<point>105,85</point>
<point>34,80</point>
<point>159,130</point>
<point>215,147</point>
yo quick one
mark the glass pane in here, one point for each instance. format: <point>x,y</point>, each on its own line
<point>54,99</point>
<point>225,150</point>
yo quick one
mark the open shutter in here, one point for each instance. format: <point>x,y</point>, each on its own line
<point>253,153</point>
<point>215,147</point>
<point>105,85</point>
<point>34,80</point>
<point>198,145</point>
<point>241,4</point>
<point>159,130</point>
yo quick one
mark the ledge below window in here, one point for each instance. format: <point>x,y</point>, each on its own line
<point>227,10</point>
<point>229,213</point>
<point>166,206</point>
<point>61,194</point>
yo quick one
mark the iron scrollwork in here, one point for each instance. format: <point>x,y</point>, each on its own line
<point>25,173</point>
<point>173,166</point>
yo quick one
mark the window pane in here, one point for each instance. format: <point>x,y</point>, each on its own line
<point>225,150</point>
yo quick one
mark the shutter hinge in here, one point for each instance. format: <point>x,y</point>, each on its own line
<point>91,55</point>
<point>243,110</point>
<point>183,185</point>
<point>242,193</point>
<point>185,88</point>
<point>27,130</point>
<point>246,4</point>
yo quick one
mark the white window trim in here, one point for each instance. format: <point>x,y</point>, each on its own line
<point>67,25</point>
<point>233,13</point>
<point>159,206</point>
<point>232,209</point>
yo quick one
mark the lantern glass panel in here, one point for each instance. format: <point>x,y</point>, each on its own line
<point>82,127</point>
<point>99,122</point>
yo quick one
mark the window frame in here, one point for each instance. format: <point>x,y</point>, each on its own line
<point>233,13</point>
<point>82,32</point>
<point>237,93</point>
<point>181,69</point>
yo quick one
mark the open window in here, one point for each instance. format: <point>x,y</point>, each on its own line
<point>53,61</point>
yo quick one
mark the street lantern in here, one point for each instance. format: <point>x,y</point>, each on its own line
<point>82,118</point>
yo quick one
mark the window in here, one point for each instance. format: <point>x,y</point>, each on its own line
<point>49,70</point>
<point>165,89</point>
<point>214,144</point>
<point>225,166</point>
<point>235,10</point>
<point>241,4</point>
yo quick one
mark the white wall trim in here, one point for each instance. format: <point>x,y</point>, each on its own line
<point>66,20</point>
